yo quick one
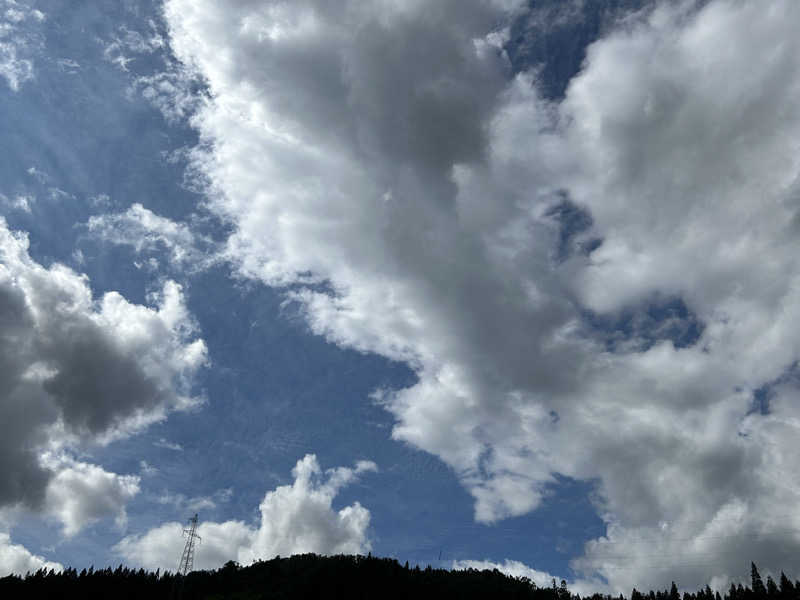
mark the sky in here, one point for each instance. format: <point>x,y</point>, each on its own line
<point>469,283</point>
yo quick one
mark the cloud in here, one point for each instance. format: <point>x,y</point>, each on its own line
<point>20,202</point>
<point>172,91</point>
<point>162,443</point>
<point>40,176</point>
<point>514,568</point>
<point>127,42</point>
<point>390,151</point>
<point>16,559</point>
<point>196,504</point>
<point>17,42</point>
<point>146,469</point>
<point>79,494</point>
<point>77,371</point>
<point>68,65</point>
<point>144,230</point>
<point>295,519</point>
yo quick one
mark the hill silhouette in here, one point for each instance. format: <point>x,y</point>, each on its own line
<point>309,576</point>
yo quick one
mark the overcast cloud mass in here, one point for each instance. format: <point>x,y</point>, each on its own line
<point>591,278</point>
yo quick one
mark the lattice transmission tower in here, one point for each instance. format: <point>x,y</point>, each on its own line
<point>187,558</point>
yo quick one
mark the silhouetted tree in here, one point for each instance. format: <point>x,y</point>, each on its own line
<point>563,592</point>
<point>755,582</point>
<point>337,578</point>
<point>787,589</point>
<point>772,588</point>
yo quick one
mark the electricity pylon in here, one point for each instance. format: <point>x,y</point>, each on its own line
<point>187,558</point>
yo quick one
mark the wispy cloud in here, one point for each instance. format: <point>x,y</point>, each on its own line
<point>21,202</point>
<point>145,231</point>
<point>19,42</point>
<point>162,443</point>
<point>126,44</point>
<point>183,503</point>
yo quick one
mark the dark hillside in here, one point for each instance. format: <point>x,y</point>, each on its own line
<point>336,577</point>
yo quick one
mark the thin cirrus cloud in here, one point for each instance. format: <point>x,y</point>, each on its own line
<point>295,519</point>
<point>18,44</point>
<point>389,150</point>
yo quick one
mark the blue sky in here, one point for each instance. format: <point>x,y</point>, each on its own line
<point>480,284</point>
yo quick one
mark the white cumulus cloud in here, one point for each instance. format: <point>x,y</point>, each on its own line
<point>541,579</point>
<point>18,560</point>
<point>295,519</point>
<point>81,493</point>
<point>514,568</point>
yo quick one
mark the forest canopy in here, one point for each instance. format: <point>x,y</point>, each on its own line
<point>339,577</point>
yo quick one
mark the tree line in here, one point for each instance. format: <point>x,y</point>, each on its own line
<point>309,576</point>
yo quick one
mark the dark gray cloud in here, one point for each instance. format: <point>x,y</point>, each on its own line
<point>23,410</point>
<point>96,386</point>
<point>76,370</point>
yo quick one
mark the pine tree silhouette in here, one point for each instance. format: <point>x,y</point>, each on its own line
<point>755,582</point>
<point>787,588</point>
<point>772,588</point>
<point>673,592</point>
